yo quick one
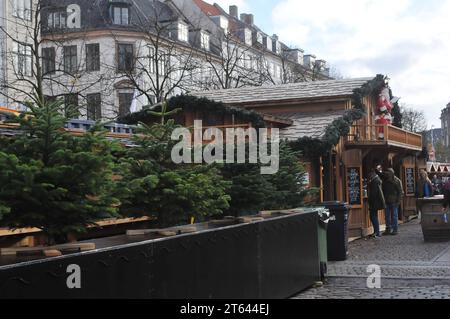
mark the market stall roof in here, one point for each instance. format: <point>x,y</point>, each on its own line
<point>308,125</point>
<point>434,167</point>
<point>285,92</point>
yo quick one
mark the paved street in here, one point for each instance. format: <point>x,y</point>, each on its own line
<point>410,268</point>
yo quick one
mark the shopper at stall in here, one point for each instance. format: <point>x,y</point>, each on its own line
<point>437,185</point>
<point>446,193</point>
<point>376,200</point>
<point>424,186</point>
<point>393,193</point>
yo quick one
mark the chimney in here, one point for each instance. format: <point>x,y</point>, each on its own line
<point>234,11</point>
<point>275,37</point>
<point>248,18</point>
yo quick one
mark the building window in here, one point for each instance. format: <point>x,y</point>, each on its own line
<point>125,101</point>
<point>70,59</point>
<point>183,32</point>
<point>152,60</point>
<point>22,9</point>
<point>71,105</point>
<point>93,57</point>
<point>159,59</point>
<point>204,41</point>
<point>24,60</point>
<point>94,107</point>
<point>125,61</point>
<point>57,20</point>
<point>163,64</point>
<point>121,15</point>
<point>259,38</point>
<point>248,36</point>
<point>48,60</point>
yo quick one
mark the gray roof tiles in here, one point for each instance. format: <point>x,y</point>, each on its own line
<point>308,125</point>
<point>311,125</point>
<point>303,90</point>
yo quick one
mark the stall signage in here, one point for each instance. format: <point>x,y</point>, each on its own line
<point>410,181</point>
<point>354,187</point>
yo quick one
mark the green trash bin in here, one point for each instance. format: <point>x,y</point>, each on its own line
<point>322,231</point>
<point>324,216</point>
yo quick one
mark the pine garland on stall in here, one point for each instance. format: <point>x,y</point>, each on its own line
<point>340,127</point>
<point>192,103</point>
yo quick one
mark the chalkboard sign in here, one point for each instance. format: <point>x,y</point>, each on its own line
<point>410,181</point>
<point>354,187</point>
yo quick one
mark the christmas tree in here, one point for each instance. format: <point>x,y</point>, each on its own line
<point>52,180</point>
<point>153,185</point>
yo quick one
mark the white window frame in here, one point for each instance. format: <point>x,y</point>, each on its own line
<point>248,36</point>
<point>183,32</point>
<point>164,63</point>
<point>57,20</point>
<point>204,41</point>
<point>259,38</point>
<point>119,17</point>
<point>22,9</point>
<point>24,60</point>
<point>152,60</point>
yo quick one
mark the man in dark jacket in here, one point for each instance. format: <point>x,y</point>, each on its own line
<point>376,200</point>
<point>393,193</point>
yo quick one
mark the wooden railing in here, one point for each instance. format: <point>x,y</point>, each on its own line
<point>75,132</point>
<point>383,133</point>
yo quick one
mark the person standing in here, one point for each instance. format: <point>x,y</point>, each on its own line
<point>424,186</point>
<point>376,200</point>
<point>393,193</point>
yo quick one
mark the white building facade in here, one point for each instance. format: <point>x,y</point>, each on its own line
<point>110,58</point>
<point>16,74</point>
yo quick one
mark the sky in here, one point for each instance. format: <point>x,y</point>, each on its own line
<point>408,40</point>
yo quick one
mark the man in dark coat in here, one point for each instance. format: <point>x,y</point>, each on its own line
<point>393,193</point>
<point>376,200</point>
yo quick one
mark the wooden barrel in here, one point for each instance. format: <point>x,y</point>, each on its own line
<point>435,222</point>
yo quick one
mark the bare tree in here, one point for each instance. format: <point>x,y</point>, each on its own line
<point>231,64</point>
<point>35,71</point>
<point>161,66</point>
<point>290,70</point>
<point>23,66</point>
<point>413,120</point>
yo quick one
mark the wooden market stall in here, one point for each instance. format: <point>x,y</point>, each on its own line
<point>348,109</point>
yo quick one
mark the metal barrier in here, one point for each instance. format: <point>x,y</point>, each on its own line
<point>274,258</point>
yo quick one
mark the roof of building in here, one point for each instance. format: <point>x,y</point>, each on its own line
<point>207,8</point>
<point>96,14</point>
<point>308,125</point>
<point>295,91</point>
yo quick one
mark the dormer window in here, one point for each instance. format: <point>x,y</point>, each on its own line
<point>276,47</point>
<point>248,36</point>
<point>259,38</point>
<point>183,32</point>
<point>204,41</point>
<point>268,43</point>
<point>57,19</point>
<point>120,15</point>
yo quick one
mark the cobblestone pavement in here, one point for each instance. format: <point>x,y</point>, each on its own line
<point>410,268</point>
<point>356,288</point>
